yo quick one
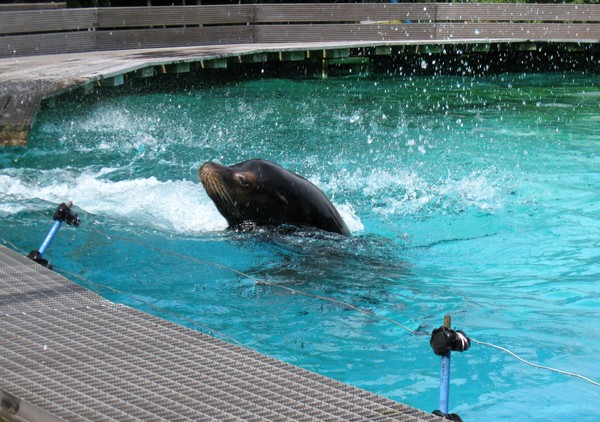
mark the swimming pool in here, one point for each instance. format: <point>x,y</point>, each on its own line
<point>470,196</point>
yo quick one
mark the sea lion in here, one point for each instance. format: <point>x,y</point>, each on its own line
<point>263,193</point>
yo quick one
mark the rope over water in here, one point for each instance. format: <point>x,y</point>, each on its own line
<point>261,282</point>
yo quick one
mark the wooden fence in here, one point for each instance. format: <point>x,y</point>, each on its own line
<point>52,31</point>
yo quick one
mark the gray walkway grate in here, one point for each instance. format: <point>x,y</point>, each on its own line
<point>66,353</point>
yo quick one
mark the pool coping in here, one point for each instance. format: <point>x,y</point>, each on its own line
<point>26,81</point>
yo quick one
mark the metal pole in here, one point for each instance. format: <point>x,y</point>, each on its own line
<point>49,237</point>
<point>445,374</point>
<point>62,214</point>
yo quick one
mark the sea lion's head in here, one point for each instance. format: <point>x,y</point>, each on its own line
<point>243,192</point>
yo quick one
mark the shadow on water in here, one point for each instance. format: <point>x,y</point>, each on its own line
<point>365,269</point>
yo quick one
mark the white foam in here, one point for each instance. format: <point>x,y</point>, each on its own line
<point>353,222</point>
<point>12,187</point>
<point>180,206</point>
<point>398,191</point>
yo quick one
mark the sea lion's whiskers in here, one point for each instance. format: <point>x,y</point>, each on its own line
<point>214,184</point>
<point>227,200</point>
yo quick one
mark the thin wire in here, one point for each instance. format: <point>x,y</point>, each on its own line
<point>347,305</point>
<point>261,282</point>
<point>151,305</point>
<point>535,365</point>
<point>13,246</point>
<point>294,291</point>
<point>22,203</point>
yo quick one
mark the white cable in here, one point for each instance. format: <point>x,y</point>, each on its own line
<point>535,365</point>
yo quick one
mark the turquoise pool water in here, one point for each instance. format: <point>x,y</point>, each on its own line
<point>472,196</point>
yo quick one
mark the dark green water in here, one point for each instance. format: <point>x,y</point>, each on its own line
<point>473,196</point>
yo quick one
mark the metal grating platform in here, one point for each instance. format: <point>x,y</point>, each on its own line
<point>68,354</point>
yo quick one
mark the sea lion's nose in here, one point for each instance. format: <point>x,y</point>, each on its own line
<point>207,166</point>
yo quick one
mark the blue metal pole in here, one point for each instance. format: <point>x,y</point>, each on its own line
<point>445,383</point>
<point>49,237</point>
<point>445,374</point>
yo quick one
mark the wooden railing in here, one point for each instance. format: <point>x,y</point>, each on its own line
<point>47,31</point>
<point>8,7</point>
<point>536,22</point>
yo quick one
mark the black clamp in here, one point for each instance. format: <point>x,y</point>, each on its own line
<point>63,213</point>
<point>448,416</point>
<point>36,256</point>
<point>444,340</point>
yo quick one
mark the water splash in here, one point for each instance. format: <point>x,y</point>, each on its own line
<point>174,206</point>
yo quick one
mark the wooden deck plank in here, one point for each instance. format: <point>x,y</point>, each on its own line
<point>343,32</point>
<point>54,43</point>
<point>515,12</point>
<point>534,32</point>
<point>136,17</point>
<point>24,22</point>
<point>173,37</point>
<point>10,7</point>
<point>344,12</point>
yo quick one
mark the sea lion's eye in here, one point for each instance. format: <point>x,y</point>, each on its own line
<point>243,180</point>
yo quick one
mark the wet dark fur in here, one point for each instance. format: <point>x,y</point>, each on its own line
<point>262,193</point>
